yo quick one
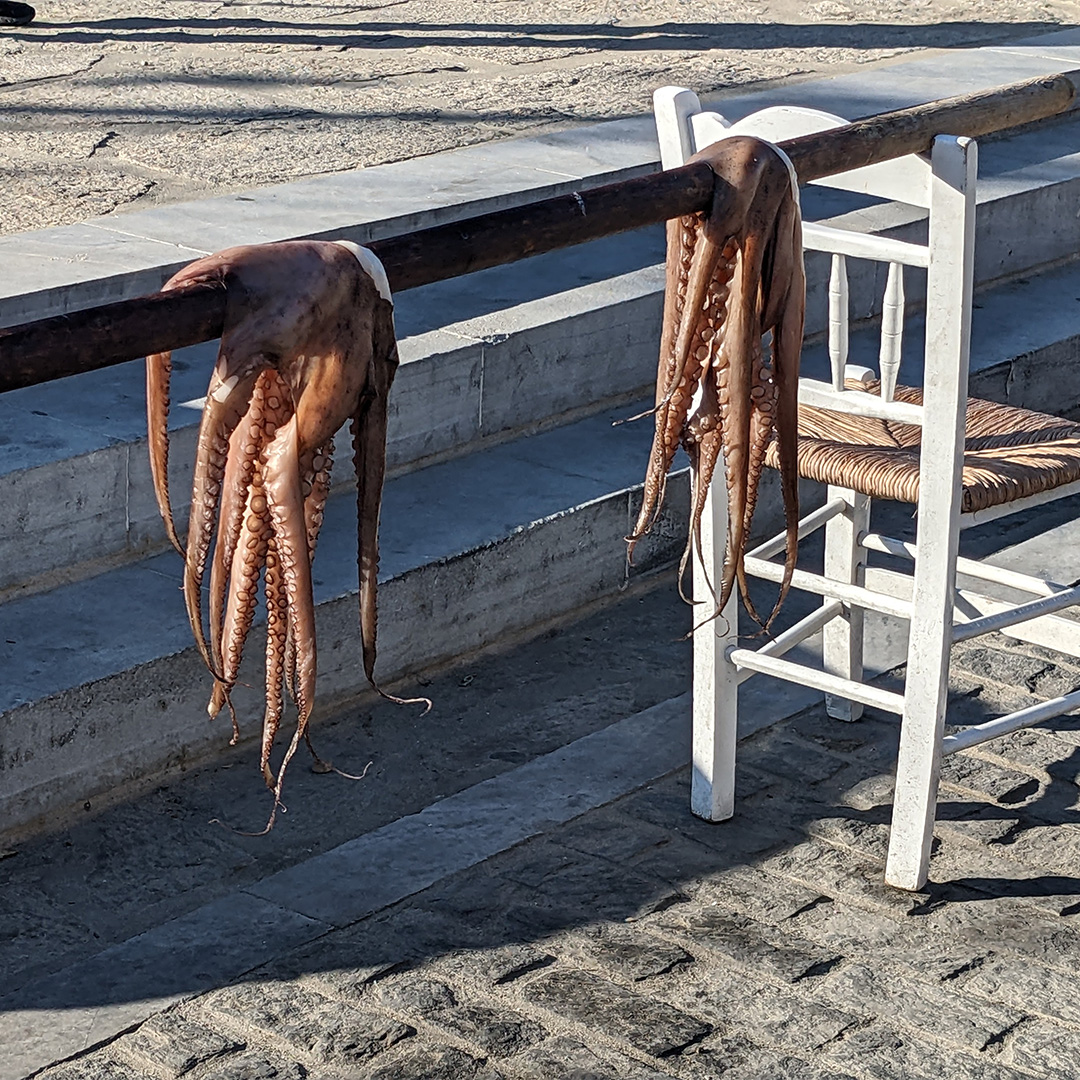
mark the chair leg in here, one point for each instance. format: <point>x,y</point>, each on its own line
<point>845,560</point>
<point>716,688</point>
<point>918,765</point>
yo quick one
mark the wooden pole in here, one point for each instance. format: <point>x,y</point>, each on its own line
<point>99,337</point>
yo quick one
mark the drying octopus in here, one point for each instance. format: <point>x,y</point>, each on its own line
<point>734,276</point>
<point>308,343</point>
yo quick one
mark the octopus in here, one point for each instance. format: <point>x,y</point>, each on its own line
<point>734,278</point>
<point>308,343</point>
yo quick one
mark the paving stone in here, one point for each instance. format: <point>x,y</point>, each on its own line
<point>777,750</point>
<point>496,967</point>
<point>735,1058</point>
<point>255,1065</point>
<point>563,1058</point>
<point>763,949</point>
<point>1009,666</point>
<point>1046,1049</point>
<point>502,1031</point>
<point>1056,681</point>
<point>681,862</point>
<point>577,883</point>
<point>874,938</point>
<point>739,838</point>
<point>867,837</point>
<point>432,1063</point>
<point>628,953</point>
<point>935,1011</point>
<point>842,873</point>
<point>645,1023</point>
<point>350,960</point>
<point>1029,987</point>
<point>869,794</point>
<point>329,1030</point>
<point>736,1001</point>
<point>613,836</point>
<point>1031,749</point>
<point>1012,924</point>
<point>99,1066</point>
<point>176,1044</point>
<point>880,1053</point>
<point>754,892</point>
<point>987,779</point>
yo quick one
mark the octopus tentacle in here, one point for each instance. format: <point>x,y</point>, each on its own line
<point>240,467</point>
<point>744,278</point>
<point>226,402</point>
<point>277,621</point>
<point>308,342</point>
<point>158,378</point>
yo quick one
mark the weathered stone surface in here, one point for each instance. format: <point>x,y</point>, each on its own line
<point>1009,666</point>
<point>328,1030</point>
<point>882,1054</point>
<point>99,1066</point>
<point>432,1063</point>
<point>760,948</point>
<point>1046,1049</point>
<point>735,1001</point>
<point>762,896</point>
<point>1031,988</point>
<point>256,1065</point>
<point>629,954</point>
<point>774,751</point>
<point>643,1022</point>
<point>177,1044</point>
<point>498,966</point>
<point>842,874</point>
<point>935,1011</point>
<point>501,1032</point>
<point>563,1058</point>
<point>987,779</point>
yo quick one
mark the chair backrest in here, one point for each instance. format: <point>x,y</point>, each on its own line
<point>944,183</point>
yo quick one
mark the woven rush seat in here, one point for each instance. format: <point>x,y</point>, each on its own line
<point>1009,453</point>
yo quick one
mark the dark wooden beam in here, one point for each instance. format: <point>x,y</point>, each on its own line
<point>98,337</point>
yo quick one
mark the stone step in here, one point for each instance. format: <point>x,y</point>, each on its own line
<point>75,491</point>
<point>103,690</point>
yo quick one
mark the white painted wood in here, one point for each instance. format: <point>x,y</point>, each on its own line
<point>819,680</point>
<point>837,590</point>
<point>858,373</point>
<point>857,402</point>
<point>673,106</point>
<point>707,128</point>
<point>1002,725</point>
<point>838,320</point>
<point>811,523</point>
<point>845,560</point>
<point>795,635</point>
<point>836,241</point>
<point>892,331</point>
<point>716,688</point>
<point>948,337</point>
<point>992,513</point>
<point>906,179</point>
<point>1050,631</point>
<point>1017,613</point>
<point>984,571</point>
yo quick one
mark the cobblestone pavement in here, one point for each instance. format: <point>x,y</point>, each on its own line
<point>114,104</point>
<point>639,942</point>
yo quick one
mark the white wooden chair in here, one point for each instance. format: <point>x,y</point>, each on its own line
<point>861,436</point>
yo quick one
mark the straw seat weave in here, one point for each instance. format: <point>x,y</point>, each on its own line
<point>1010,453</point>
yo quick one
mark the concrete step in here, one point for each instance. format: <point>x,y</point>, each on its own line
<point>102,689</point>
